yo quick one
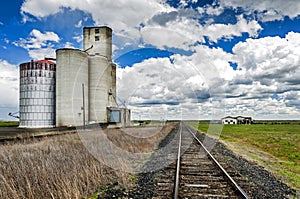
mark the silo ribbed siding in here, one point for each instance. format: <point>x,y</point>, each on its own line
<point>37,94</point>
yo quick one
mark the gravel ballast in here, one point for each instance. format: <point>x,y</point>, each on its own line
<point>254,179</point>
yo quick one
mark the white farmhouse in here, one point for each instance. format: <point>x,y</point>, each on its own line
<point>236,120</point>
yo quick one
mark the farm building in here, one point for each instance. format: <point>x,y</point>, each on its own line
<point>76,90</point>
<point>236,120</point>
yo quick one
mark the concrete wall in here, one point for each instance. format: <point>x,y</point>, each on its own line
<point>102,72</point>
<point>94,68</point>
<point>101,40</point>
<point>72,73</point>
<point>99,85</point>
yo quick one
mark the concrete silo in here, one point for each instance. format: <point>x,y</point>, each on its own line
<point>97,42</point>
<point>37,94</point>
<point>71,87</point>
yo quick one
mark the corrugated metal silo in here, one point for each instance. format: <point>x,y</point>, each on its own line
<point>37,94</point>
<point>71,87</point>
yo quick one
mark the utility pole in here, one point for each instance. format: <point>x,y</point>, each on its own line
<point>83,105</point>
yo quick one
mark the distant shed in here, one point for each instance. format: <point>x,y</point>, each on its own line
<point>237,120</point>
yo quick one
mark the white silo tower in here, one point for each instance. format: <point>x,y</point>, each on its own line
<point>37,94</point>
<point>97,42</point>
<point>71,87</point>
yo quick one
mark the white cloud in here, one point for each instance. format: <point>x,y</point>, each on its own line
<point>218,31</point>
<point>158,81</point>
<point>9,84</point>
<point>6,41</point>
<point>78,38</point>
<point>41,53</point>
<point>204,83</point>
<point>191,83</point>
<point>153,22</point>
<point>182,32</point>
<point>268,10</point>
<point>271,59</point>
<point>264,108</point>
<point>213,10</point>
<point>69,45</point>
<point>181,84</point>
<point>39,45</point>
<point>267,66</point>
<point>119,15</point>
<point>37,39</point>
<point>79,24</point>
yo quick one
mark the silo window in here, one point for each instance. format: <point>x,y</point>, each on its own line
<point>97,31</point>
<point>97,38</point>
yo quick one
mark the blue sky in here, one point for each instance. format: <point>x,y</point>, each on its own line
<point>177,59</point>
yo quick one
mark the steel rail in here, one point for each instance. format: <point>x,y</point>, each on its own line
<point>234,184</point>
<point>176,185</point>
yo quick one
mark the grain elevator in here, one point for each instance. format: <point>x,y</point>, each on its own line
<point>82,86</point>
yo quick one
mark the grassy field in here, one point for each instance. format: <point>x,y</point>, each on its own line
<point>9,123</point>
<point>276,146</point>
<point>62,167</point>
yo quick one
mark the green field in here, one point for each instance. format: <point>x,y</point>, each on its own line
<point>9,123</point>
<point>275,146</point>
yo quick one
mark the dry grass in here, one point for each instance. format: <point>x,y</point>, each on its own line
<point>62,167</point>
<point>139,140</point>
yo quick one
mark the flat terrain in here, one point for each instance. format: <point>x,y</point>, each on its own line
<point>277,147</point>
<point>9,123</point>
<point>63,166</point>
<point>11,133</point>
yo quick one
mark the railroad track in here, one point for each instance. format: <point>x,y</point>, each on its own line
<point>196,173</point>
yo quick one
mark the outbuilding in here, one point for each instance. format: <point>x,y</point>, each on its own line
<point>236,120</point>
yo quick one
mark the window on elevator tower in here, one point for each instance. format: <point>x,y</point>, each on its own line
<point>97,38</point>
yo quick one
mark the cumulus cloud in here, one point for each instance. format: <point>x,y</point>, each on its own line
<point>78,38</point>
<point>69,45</point>
<point>204,82</point>
<point>155,22</point>
<point>180,84</point>
<point>41,53</point>
<point>266,67</point>
<point>9,84</point>
<point>38,44</point>
<point>37,39</point>
<point>268,10</point>
<point>119,15</point>
<point>218,31</point>
<point>192,85</point>
<point>271,59</point>
<point>79,24</point>
<point>159,84</point>
<point>180,30</point>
